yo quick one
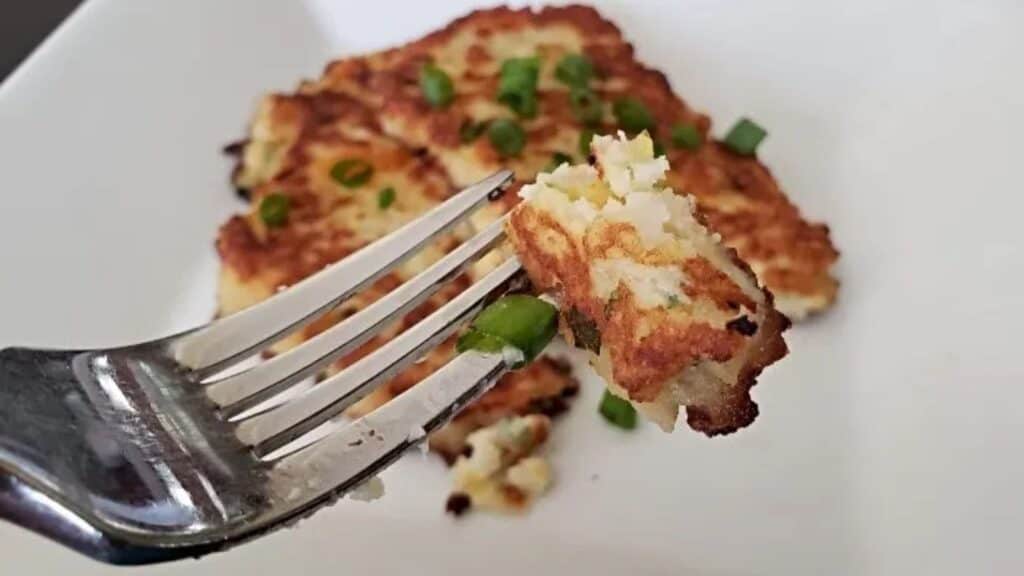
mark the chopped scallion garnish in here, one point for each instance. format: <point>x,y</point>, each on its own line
<point>386,197</point>
<point>351,172</point>
<point>574,70</point>
<point>744,137</point>
<point>617,411</point>
<point>517,85</point>
<point>436,86</point>
<point>685,136</point>
<point>523,322</point>
<point>507,137</point>
<point>274,209</point>
<point>474,339</point>
<point>632,115</point>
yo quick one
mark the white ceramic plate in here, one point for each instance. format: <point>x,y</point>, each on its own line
<point>889,441</point>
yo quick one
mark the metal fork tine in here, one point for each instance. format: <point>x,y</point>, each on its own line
<point>347,457</point>
<point>243,391</point>
<point>273,429</point>
<point>214,347</point>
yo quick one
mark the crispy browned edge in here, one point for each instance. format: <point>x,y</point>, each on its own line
<point>306,244</point>
<point>739,410</point>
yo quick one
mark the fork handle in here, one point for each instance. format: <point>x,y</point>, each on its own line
<point>46,453</point>
<point>42,416</point>
<point>30,508</point>
<point>35,391</point>
<point>69,469</point>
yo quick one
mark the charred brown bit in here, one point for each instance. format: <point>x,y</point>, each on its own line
<point>458,504</point>
<point>742,325</point>
<point>550,407</point>
<point>235,148</point>
<point>586,334</point>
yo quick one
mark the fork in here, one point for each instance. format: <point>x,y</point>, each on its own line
<point>150,453</point>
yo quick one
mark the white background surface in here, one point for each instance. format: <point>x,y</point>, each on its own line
<point>890,440</point>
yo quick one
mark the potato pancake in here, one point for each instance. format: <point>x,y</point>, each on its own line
<point>587,81</point>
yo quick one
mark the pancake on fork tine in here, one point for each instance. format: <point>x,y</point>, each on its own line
<point>670,317</point>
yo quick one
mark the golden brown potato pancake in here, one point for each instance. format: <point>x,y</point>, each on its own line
<point>736,195</point>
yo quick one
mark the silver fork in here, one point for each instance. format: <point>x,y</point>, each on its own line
<point>145,453</point>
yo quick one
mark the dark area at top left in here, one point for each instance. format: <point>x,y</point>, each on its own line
<point>23,25</point>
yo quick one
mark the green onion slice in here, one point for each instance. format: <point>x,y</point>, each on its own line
<point>574,70</point>
<point>274,209</point>
<point>632,115</point>
<point>474,339</point>
<point>685,136</point>
<point>517,85</point>
<point>617,411</point>
<point>744,137</point>
<point>351,172</point>
<point>436,86</point>
<point>386,197</point>
<point>523,322</point>
<point>523,103</point>
<point>507,137</point>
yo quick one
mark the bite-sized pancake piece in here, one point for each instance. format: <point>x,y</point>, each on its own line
<point>294,143</point>
<point>737,195</point>
<point>499,470</point>
<point>670,316</point>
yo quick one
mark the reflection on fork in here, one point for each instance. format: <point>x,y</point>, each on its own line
<point>145,453</point>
